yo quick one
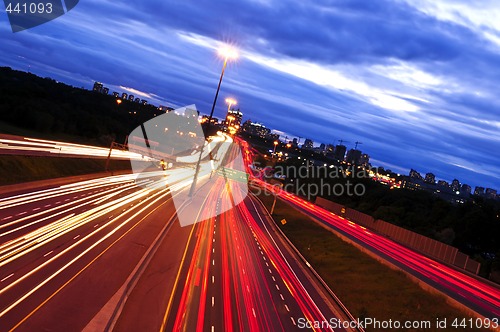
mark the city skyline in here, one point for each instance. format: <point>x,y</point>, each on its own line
<point>417,83</point>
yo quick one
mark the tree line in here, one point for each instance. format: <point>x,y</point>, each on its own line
<point>46,106</point>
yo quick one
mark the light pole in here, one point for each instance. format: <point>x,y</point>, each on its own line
<point>275,145</point>
<point>228,53</point>
<point>230,102</point>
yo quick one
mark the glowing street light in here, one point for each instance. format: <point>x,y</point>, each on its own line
<point>275,145</point>
<point>230,102</point>
<point>228,53</point>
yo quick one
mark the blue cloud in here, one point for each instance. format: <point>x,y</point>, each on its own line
<point>374,54</point>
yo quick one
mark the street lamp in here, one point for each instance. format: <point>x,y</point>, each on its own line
<point>230,102</point>
<point>275,145</point>
<point>228,53</point>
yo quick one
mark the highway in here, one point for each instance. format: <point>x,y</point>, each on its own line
<point>478,295</point>
<point>241,278</point>
<point>236,274</point>
<point>80,256</point>
<point>72,246</point>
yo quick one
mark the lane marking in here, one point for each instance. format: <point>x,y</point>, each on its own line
<point>48,253</point>
<point>170,301</point>
<point>7,277</point>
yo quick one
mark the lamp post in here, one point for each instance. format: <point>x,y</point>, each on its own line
<point>230,102</point>
<point>275,145</point>
<point>228,53</point>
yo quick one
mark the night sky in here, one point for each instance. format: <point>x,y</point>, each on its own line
<point>417,82</point>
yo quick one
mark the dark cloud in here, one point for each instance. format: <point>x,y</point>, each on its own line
<point>137,45</point>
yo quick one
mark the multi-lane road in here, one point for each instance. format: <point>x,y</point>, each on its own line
<point>110,254</point>
<point>124,253</point>
<point>241,277</point>
<point>478,295</point>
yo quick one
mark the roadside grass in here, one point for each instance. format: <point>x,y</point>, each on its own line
<point>18,169</point>
<point>367,287</point>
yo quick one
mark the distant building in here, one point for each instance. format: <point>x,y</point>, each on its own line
<point>105,91</point>
<point>257,129</point>
<point>308,144</point>
<point>455,185</point>
<point>97,87</point>
<point>491,193</point>
<point>339,152</point>
<point>415,175</point>
<point>137,100</point>
<point>322,147</point>
<point>479,191</point>
<point>465,189</point>
<point>131,98</point>
<point>295,143</point>
<point>353,156</point>
<point>205,118</point>
<point>364,160</point>
<point>430,178</point>
<point>413,183</point>
<point>145,102</point>
<point>124,95</point>
<point>116,94</point>
<point>232,123</point>
<point>444,185</point>
<point>274,137</point>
